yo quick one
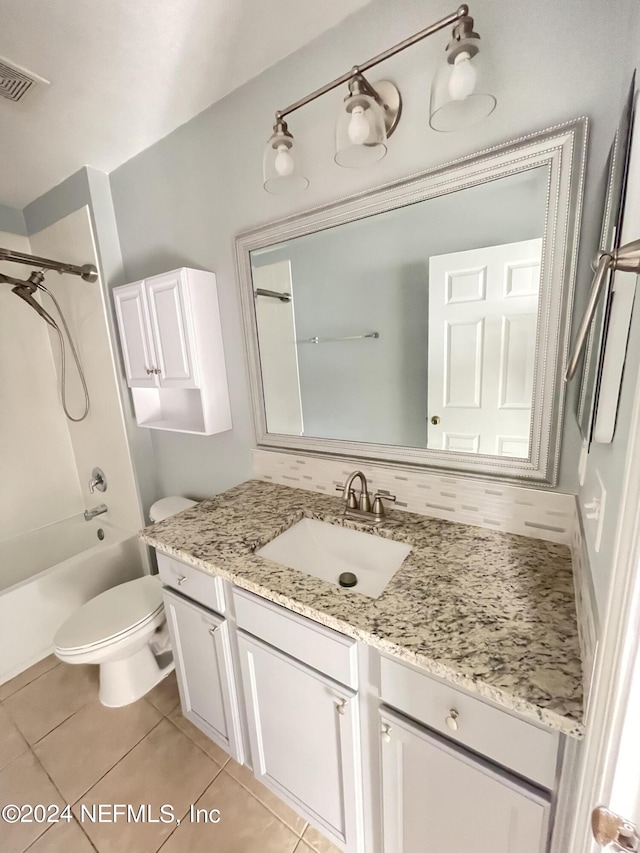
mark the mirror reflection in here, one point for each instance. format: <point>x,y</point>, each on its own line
<point>416,327</point>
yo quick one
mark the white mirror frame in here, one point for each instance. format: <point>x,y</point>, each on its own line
<point>562,150</point>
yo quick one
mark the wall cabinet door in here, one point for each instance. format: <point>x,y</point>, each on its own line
<point>204,668</point>
<point>137,347</point>
<point>304,736</point>
<point>438,797</point>
<point>171,332</point>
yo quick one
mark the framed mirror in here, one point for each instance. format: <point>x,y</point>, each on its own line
<point>426,322</point>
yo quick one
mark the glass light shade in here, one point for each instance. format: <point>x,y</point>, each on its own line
<point>457,101</point>
<point>281,169</point>
<point>361,135</point>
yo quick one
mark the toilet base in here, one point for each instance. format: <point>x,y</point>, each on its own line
<point>129,679</point>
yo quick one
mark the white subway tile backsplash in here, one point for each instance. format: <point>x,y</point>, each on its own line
<point>515,509</point>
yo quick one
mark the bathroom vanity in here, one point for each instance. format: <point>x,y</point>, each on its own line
<point>443,714</point>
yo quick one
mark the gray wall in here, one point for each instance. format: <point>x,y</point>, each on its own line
<point>12,221</point>
<point>373,275</point>
<point>183,200</point>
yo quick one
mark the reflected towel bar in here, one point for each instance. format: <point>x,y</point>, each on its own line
<point>283,297</point>
<point>332,340</point>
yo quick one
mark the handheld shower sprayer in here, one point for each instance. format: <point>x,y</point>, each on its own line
<point>25,290</point>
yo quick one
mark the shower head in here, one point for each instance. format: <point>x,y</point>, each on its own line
<point>25,290</point>
<point>30,284</point>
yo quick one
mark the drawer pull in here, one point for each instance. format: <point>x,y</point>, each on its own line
<point>386,733</point>
<point>341,707</point>
<point>181,580</point>
<point>452,720</point>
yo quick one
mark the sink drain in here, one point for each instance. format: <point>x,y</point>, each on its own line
<point>347,579</point>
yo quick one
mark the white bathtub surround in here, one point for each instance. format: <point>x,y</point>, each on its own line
<point>514,509</point>
<point>101,438</point>
<point>586,606</point>
<point>48,574</point>
<point>39,475</point>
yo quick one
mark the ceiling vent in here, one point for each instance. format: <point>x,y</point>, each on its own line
<point>15,81</point>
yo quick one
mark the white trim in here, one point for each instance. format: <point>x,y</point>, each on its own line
<point>618,653</point>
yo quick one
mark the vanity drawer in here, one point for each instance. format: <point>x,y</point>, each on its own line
<point>325,650</point>
<point>196,584</point>
<point>523,747</point>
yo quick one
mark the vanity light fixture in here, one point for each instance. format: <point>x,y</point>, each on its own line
<point>371,111</point>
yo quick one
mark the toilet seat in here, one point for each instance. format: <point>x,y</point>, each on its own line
<point>111,616</point>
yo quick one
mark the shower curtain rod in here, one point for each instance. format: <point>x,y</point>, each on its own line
<point>87,272</point>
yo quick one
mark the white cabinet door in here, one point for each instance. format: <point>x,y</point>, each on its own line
<point>171,332</point>
<point>437,797</point>
<point>204,668</point>
<point>483,307</point>
<point>137,348</point>
<point>304,737</point>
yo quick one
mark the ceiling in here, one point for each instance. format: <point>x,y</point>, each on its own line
<point>125,73</point>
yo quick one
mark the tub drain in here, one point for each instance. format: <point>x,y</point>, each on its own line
<point>347,579</point>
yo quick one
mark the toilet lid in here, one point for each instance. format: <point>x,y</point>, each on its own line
<point>110,614</point>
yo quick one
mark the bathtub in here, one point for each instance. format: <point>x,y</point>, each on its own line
<point>47,574</point>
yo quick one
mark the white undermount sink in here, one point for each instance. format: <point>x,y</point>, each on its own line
<point>326,551</point>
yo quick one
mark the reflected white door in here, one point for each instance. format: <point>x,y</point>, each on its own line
<point>483,306</point>
<point>278,352</point>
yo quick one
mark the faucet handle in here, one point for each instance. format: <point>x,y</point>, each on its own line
<point>378,506</point>
<point>351,500</point>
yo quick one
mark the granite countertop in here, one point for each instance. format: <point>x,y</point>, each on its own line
<point>491,612</point>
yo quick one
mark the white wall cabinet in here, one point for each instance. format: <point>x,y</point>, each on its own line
<point>173,352</point>
<point>303,730</point>
<point>206,681</point>
<point>437,797</point>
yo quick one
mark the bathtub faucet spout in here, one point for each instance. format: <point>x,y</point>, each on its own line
<point>95,510</point>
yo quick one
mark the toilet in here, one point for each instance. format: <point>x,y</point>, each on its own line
<point>115,630</point>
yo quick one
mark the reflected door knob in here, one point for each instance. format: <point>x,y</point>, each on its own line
<point>435,420</point>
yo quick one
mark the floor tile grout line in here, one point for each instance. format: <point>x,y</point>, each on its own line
<point>33,680</point>
<point>57,726</point>
<point>205,789</point>
<point>195,743</point>
<point>256,797</point>
<point>122,757</point>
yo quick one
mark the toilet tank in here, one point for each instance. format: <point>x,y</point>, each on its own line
<point>166,507</point>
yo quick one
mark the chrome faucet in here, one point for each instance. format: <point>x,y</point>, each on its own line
<point>361,507</point>
<point>95,510</point>
<point>98,481</point>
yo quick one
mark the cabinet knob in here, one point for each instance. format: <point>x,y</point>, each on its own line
<point>452,720</point>
<point>181,580</point>
<point>213,629</point>
<point>385,733</point>
<point>149,371</point>
<point>341,707</point>
<point>156,370</point>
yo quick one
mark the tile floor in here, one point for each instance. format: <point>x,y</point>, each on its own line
<point>59,745</point>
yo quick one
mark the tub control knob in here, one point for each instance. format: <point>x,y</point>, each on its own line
<point>452,720</point>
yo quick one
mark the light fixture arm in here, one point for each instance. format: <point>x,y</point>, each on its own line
<point>461,13</point>
<point>625,259</point>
